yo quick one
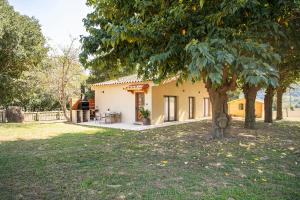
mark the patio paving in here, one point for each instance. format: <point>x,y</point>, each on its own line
<point>136,127</point>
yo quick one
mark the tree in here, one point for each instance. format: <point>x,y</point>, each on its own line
<point>286,18</point>
<point>260,78</point>
<point>22,48</point>
<point>38,97</point>
<point>276,36</point>
<point>213,41</point>
<point>289,69</point>
<point>251,66</point>
<point>64,75</point>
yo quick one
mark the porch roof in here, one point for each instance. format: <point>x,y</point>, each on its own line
<point>137,87</point>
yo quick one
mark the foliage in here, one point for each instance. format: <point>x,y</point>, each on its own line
<point>289,69</point>
<point>37,97</point>
<point>145,113</point>
<point>233,95</point>
<point>41,101</point>
<point>22,48</point>
<point>192,39</point>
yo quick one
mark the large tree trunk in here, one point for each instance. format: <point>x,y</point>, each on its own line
<point>250,96</point>
<point>218,97</point>
<point>268,101</point>
<point>220,117</point>
<point>279,115</point>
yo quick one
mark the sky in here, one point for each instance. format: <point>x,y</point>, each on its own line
<point>59,19</point>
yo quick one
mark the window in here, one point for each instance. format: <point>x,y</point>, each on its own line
<point>206,107</point>
<point>191,107</point>
<point>170,108</point>
<point>241,106</point>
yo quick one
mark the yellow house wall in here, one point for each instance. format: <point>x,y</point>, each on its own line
<point>182,92</point>
<point>259,109</point>
<point>117,99</point>
<point>233,108</point>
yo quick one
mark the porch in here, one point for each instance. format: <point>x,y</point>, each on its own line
<point>136,127</point>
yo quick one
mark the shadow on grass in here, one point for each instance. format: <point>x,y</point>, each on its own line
<point>166,163</point>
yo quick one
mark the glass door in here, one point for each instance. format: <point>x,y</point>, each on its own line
<point>170,108</point>
<point>191,107</point>
<point>206,107</point>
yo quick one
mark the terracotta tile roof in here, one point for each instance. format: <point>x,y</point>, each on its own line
<point>131,79</point>
<point>125,79</point>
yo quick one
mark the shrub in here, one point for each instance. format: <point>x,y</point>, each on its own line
<point>14,114</point>
<point>292,108</point>
<point>145,112</point>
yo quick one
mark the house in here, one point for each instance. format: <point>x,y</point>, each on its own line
<point>236,107</point>
<point>165,101</point>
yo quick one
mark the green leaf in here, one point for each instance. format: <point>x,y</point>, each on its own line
<point>216,78</point>
<point>201,2</point>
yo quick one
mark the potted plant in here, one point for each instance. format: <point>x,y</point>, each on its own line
<point>146,115</point>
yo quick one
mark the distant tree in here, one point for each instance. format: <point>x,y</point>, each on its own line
<point>275,34</point>
<point>22,48</point>
<point>289,69</point>
<point>64,75</point>
<point>264,77</point>
<point>38,97</point>
<point>213,41</point>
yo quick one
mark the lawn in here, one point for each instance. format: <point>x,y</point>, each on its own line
<point>64,161</point>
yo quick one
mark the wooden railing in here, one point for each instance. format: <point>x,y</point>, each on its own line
<point>37,116</point>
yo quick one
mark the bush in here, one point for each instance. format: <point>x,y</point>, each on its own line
<point>14,114</point>
<point>292,108</point>
<point>145,112</point>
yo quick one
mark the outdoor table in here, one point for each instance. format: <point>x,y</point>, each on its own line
<point>112,117</point>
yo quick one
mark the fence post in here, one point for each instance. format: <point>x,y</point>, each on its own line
<point>37,116</point>
<point>3,117</point>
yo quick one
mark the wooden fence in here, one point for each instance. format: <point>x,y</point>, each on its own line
<point>2,116</point>
<point>37,116</point>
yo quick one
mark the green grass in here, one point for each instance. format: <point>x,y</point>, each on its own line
<point>64,161</point>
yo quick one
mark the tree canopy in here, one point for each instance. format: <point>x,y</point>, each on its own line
<point>163,38</point>
<point>22,47</point>
<point>289,68</point>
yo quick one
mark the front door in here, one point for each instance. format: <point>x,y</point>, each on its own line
<point>139,103</point>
